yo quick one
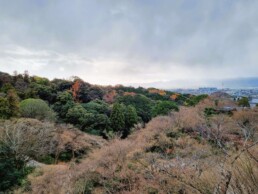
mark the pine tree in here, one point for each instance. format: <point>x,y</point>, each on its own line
<point>131,119</point>
<point>130,116</point>
<point>117,118</point>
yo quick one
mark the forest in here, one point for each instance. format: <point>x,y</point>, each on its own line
<point>70,136</point>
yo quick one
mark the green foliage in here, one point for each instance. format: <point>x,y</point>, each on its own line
<point>40,80</point>
<point>5,78</point>
<point>97,106</point>
<point>95,124</point>
<point>7,87</point>
<point>142,104</point>
<point>12,170</point>
<point>164,107</point>
<point>243,102</point>
<point>4,108</point>
<point>194,100</point>
<point>36,108</point>
<point>210,111</point>
<point>131,119</point>
<point>63,104</point>
<point>13,101</point>
<point>43,92</point>
<point>117,118</point>
<point>76,114</point>
<point>97,119</point>
<point>61,85</point>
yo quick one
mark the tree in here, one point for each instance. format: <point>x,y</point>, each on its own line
<point>36,108</point>
<point>117,118</point>
<point>194,100</point>
<point>61,85</point>
<point>164,107</point>
<point>95,124</point>
<point>5,78</point>
<point>97,106</point>
<point>4,108</point>
<point>63,104</point>
<point>243,102</point>
<point>13,101</point>
<point>20,141</point>
<point>131,119</point>
<point>43,91</point>
<point>76,114</point>
<point>141,103</point>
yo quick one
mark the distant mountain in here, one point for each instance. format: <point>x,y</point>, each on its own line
<point>241,83</point>
<point>251,82</point>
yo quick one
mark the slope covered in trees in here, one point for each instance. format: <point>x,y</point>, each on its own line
<point>68,136</point>
<point>89,107</point>
<point>185,152</point>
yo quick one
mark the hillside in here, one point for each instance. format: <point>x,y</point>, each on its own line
<point>181,153</point>
<point>69,136</point>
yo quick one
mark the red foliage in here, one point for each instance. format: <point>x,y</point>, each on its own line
<point>109,97</point>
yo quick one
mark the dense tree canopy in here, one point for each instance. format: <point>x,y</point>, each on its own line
<point>164,107</point>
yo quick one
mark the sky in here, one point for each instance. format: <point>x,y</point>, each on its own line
<point>175,43</point>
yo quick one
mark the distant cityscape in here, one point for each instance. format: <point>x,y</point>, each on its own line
<point>251,94</point>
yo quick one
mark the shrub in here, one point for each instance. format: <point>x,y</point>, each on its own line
<point>164,107</point>
<point>36,108</point>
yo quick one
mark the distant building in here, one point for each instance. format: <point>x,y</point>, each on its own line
<point>253,102</point>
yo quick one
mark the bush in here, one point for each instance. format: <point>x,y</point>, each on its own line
<point>4,108</point>
<point>36,108</point>
<point>164,107</point>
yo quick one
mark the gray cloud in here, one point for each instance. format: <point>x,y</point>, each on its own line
<point>126,41</point>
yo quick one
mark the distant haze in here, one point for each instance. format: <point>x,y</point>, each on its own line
<point>169,44</point>
<point>235,83</point>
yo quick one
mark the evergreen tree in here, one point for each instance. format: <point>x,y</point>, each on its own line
<point>117,118</point>
<point>130,116</point>
<point>4,108</point>
<point>63,104</point>
<point>131,119</point>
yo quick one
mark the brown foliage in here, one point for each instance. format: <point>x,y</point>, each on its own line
<point>109,97</point>
<point>163,158</point>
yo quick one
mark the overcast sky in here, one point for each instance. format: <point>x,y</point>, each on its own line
<point>131,41</point>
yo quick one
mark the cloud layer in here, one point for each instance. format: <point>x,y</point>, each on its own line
<point>130,41</point>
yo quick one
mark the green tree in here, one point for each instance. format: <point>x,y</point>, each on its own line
<point>36,108</point>
<point>12,170</point>
<point>141,103</point>
<point>13,101</point>
<point>95,124</point>
<point>63,104</point>
<point>97,107</point>
<point>194,100</point>
<point>76,114</point>
<point>244,102</point>
<point>4,108</point>
<point>164,107</point>
<point>131,119</point>
<point>117,118</point>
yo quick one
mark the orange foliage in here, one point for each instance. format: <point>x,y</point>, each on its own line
<point>174,96</point>
<point>129,93</point>
<point>157,91</point>
<point>75,88</point>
